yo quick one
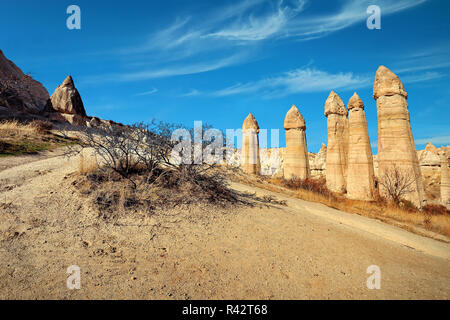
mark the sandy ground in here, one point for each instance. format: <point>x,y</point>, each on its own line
<point>299,251</point>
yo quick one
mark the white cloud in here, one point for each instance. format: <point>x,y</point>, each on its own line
<point>175,70</point>
<point>147,93</point>
<point>298,81</point>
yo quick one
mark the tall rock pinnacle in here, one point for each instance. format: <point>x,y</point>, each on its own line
<point>337,123</point>
<point>250,161</point>
<point>360,172</point>
<point>296,162</point>
<point>395,140</point>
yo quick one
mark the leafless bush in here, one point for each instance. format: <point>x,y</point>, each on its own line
<point>397,183</point>
<point>142,154</point>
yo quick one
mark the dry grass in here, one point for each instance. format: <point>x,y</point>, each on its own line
<point>18,138</point>
<point>87,164</point>
<point>430,218</point>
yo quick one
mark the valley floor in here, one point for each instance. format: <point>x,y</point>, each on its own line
<point>300,251</point>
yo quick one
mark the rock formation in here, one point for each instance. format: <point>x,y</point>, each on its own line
<point>296,161</point>
<point>445,178</point>
<point>395,139</point>
<point>336,164</point>
<point>250,161</point>
<point>360,172</point>
<point>317,162</point>
<point>21,97</point>
<point>66,99</point>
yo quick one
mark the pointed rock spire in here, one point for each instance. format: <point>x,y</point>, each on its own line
<point>355,102</point>
<point>387,83</point>
<point>250,123</point>
<point>335,105</point>
<point>294,119</point>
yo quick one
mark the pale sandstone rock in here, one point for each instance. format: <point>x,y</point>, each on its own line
<point>296,161</point>
<point>66,99</point>
<point>445,179</point>
<point>360,174</point>
<point>250,158</point>
<point>318,162</point>
<point>336,164</point>
<point>395,140</point>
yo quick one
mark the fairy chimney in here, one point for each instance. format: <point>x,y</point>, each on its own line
<point>445,178</point>
<point>337,123</point>
<point>360,172</point>
<point>395,139</point>
<point>296,162</point>
<point>250,161</point>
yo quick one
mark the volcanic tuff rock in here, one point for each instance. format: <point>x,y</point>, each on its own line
<point>360,173</point>
<point>337,124</point>
<point>20,95</point>
<point>445,178</point>
<point>250,160</point>
<point>66,99</point>
<point>296,162</point>
<point>395,140</point>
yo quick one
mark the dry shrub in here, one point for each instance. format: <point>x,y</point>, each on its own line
<point>41,127</point>
<point>404,215</point>
<point>163,188</point>
<point>436,210</point>
<point>87,164</point>
<point>313,186</point>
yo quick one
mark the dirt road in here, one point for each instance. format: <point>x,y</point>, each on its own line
<point>299,251</point>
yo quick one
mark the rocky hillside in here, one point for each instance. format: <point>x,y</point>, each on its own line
<point>23,98</point>
<point>20,95</point>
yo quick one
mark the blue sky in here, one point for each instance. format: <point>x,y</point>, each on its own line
<point>216,61</point>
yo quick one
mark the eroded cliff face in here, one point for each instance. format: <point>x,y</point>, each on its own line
<point>20,95</point>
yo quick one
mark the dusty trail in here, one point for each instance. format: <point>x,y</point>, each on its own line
<point>300,251</point>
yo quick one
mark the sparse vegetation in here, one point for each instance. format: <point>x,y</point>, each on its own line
<point>135,171</point>
<point>405,215</point>
<point>397,184</point>
<point>18,138</point>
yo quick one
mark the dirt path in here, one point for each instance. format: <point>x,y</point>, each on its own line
<point>300,251</point>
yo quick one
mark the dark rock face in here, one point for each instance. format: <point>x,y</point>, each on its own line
<point>20,94</point>
<point>66,99</point>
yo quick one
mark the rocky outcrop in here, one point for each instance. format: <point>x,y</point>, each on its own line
<point>445,178</point>
<point>20,95</point>
<point>395,140</point>
<point>67,100</point>
<point>250,160</point>
<point>296,162</point>
<point>317,162</point>
<point>360,173</point>
<point>336,164</point>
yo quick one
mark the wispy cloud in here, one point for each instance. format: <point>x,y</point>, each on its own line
<point>174,70</point>
<point>147,93</point>
<point>437,140</point>
<point>298,81</point>
<point>228,35</point>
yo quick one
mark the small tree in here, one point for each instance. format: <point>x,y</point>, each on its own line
<point>397,183</point>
